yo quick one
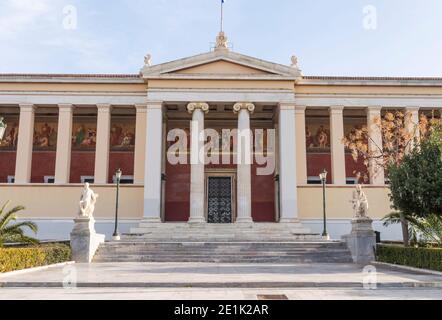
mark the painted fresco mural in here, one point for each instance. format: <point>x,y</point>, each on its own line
<point>122,135</point>
<point>317,134</point>
<point>84,134</point>
<point>45,133</point>
<point>10,139</point>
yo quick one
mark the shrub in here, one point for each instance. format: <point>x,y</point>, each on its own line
<point>12,259</point>
<point>423,258</point>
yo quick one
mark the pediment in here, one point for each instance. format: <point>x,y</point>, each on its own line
<point>222,67</point>
<point>221,64</point>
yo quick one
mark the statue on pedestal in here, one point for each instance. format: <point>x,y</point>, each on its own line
<point>87,202</point>
<point>360,203</point>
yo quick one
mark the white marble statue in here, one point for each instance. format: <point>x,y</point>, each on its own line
<point>360,203</point>
<point>87,202</point>
<point>148,60</point>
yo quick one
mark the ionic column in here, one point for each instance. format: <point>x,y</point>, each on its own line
<point>288,163</point>
<point>152,176</point>
<point>244,161</point>
<point>375,147</point>
<point>412,125</point>
<point>301,149</point>
<point>337,147</point>
<point>23,163</point>
<point>197,164</point>
<point>103,144</point>
<point>140,143</point>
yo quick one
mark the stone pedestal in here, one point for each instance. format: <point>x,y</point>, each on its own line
<point>361,241</point>
<point>84,240</point>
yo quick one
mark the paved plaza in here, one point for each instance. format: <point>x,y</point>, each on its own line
<point>219,281</point>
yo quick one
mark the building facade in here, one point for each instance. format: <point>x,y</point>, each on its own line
<point>64,130</point>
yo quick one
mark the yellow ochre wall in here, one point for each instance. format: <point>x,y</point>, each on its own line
<point>61,202</point>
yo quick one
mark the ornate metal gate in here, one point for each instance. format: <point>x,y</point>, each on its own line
<point>219,200</point>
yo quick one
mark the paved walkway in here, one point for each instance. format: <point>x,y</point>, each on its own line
<point>212,275</point>
<point>216,294</point>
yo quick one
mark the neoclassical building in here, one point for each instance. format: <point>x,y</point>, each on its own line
<point>67,129</point>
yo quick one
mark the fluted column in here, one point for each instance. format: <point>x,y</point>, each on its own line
<point>154,147</point>
<point>197,163</point>
<point>244,161</point>
<point>64,142</point>
<point>337,147</point>
<point>301,149</point>
<point>103,144</point>
<point>23,163</point>
<point>140,143</point>
<point>375,147</point>
<point>288,163</point>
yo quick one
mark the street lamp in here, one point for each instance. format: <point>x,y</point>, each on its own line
<point>116,235</point>
<point>3,127</point>
<point>323,177</point>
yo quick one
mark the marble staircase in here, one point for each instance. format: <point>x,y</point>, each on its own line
<point>223,243</point>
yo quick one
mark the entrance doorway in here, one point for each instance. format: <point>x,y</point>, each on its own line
<point>220,208</point>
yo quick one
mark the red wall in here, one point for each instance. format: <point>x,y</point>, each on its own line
<point>317,162</point>
<point>82,164</point>
<point>263,197</point>
<point>177,202</point>
<point>7,165</point>
<point>43,164</point>
<point>122,160</point>
<point>358,166</point>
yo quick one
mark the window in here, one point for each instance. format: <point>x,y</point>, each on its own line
<point>352,181</point>
<point>124,179</point>
<point>314,180</point>
<point>89,179</point>
<point>49,179</point>
<point>11,179</point>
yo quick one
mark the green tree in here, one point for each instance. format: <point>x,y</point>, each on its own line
<point>416,181</point>
<point>14,232</point>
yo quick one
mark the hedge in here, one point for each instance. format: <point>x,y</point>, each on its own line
<point>12,259</point>
<point>423,258</point>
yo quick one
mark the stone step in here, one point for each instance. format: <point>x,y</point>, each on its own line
<point>232,252</point>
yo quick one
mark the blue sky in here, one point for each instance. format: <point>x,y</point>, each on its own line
<point>328,37</point>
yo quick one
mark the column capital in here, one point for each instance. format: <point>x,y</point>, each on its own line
<point>27,107</point>
<point>154,105</point>
<point>243,105</point>
<point>300,109</point>
<point>104,107</point>
<point>374,109</point>
<point>65,107</point>
<point>141,107</point>
<point>287,105</point>
<point>191,107</point>
<point>412,108</point>
<point>336,109</point>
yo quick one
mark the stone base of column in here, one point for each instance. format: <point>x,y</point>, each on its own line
<point>196,220</point>
<point>245,220</point>
<point>289,220</point>
<point>152,220</point>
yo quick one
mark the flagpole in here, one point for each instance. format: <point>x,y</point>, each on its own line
<point>222,16</point>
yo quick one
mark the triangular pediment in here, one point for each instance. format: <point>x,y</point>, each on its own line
<point>222,64</point>
<point>222,67</point>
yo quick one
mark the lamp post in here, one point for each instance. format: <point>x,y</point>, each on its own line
<point>323,177</point>
<point>3,127</point>
<point>116,235</point>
